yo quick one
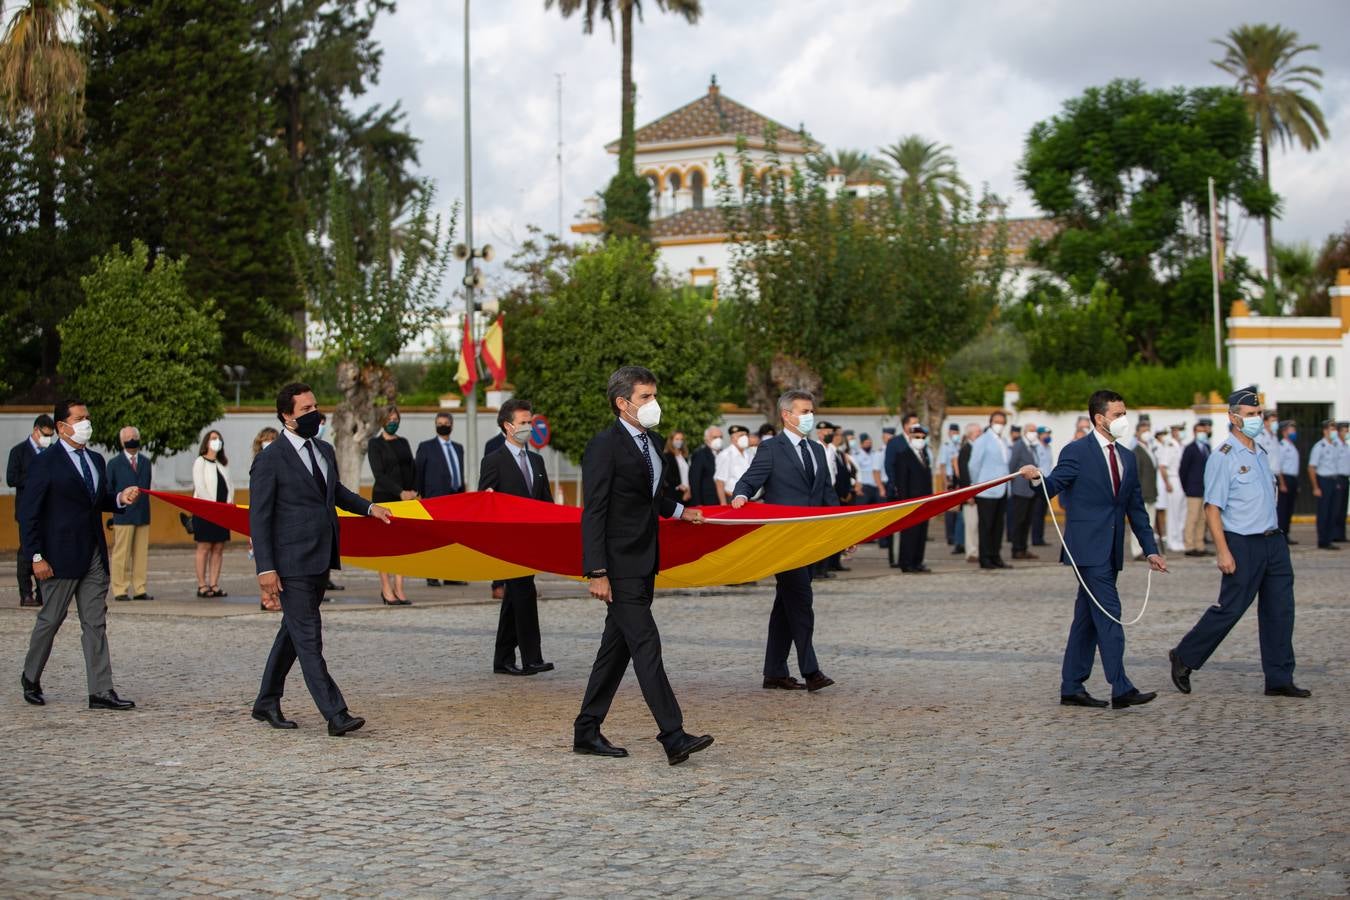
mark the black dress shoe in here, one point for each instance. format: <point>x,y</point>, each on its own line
<point>509,669</point>
<point>1082,698</point>
<point>1181,673</point>
<point>274,718</point>
<point>817,680</point>
<point>786,683</point>
<point>958,550</point>
<point>32,691</point>
<point>1288,690</point>
<point>841,569</point>
<point>121,598</point>
<point>921,569</point>
<point>536,668</point>
<point>333,587</point>
<point>343,723</point>
<point>109,700</point>
<point>1327,547</point>
<point>1133,698</point>
<point>687,745</point>
<point>1000,564</point>
<point>433,582</point>
<point>597,746</point>
<point>448,583</point>
<point>1195,553</point>
<point>143,597</point>
<point>30,601</point>
<point>1291,542</point>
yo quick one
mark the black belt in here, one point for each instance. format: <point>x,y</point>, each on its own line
<point>1267,533</point>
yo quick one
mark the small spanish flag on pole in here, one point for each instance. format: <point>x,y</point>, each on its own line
<point>467,376</point>
<point>494,353</point>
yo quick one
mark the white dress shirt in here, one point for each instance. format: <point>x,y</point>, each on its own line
<point>656,461</point>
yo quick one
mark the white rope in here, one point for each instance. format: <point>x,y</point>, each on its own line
<point>1147,590</point>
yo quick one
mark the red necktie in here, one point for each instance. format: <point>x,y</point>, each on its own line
<point>1115,469</point>
<point>134,467</point>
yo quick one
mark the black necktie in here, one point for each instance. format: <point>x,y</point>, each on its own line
<point>806,461</point>
<point>647,458</point>
<point>86,472</point>
<point>314,469</point>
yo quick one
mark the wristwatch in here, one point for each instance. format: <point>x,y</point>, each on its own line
<point>37,557</point>
<point>598,573</point>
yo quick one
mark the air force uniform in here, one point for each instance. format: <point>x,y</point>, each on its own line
<point>1241,484</point>
<point>1325,458</point>
<point>1288,467</point>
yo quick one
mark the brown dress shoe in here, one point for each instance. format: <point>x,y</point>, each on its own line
<point>818,680</point>
<point>786,683</point>
<point>30,601</point>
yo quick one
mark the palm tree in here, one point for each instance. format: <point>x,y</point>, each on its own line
<point>926,168</point>
<point>853,163</point>
<point>605,9</point>
<point>42,71</point>
<point>1261,58</point>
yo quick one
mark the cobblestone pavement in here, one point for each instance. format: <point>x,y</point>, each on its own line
<point>941,762</point>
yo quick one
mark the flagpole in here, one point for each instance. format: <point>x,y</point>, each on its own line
<point>1213,269</point>
<point>471,395</point>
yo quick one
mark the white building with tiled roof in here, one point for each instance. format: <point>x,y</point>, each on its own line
<point>677,154</point>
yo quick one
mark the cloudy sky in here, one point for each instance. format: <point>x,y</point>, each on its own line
<point>859,74</point>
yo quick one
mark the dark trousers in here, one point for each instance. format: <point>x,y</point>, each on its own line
<point>791,623</point>
<point>1342,508</point>
<point>1284,508</point>
<point>1038,511</point>
<point>1092,632</point>
<point>1263,569</point>
<point>630,633</point>
<point>300,637</point>
<point>1021,518</point>
<point>28,585</point>
<point>992,516</point>
<point>1326,508</point>
<point>951,521</point>
<point>913,541</point>
<point>518,624</point>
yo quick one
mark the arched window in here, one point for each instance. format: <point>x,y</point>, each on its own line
<point>1279,367</point>
<point>673,185</point>
<point>1312,367</point>
<point>1294,367</point>
<point>1329,369</point>
<point>696,186</point>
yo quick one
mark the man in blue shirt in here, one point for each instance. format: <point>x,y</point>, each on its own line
<point>1323,472</point>
<point>1252,555</point>
<point>989,460</point>
<point>947,465</point>
<point>1287,475</point>
<point>1343,483</point>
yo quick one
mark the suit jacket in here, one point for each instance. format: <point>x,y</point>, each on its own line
<point>1192,469</point>
<point>897,448</point>
<point>777,468</point>
<point>58,519</point>
<point>619,525</point>
<point>494,444</point>
<point>120,477</point>
<point>1095,530</point>
<point>1148,473</point>
<point>962,463</point>
<point>294,527</point>
<point>432,476</point>
<point>702,466</point>
<point>1023,455</point>
<point>501,472</point>
<point>912,477</point>
<point>16,475</point>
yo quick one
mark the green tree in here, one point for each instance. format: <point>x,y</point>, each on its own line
<point>140,351</point>
<point>1335,255</point>
<point>853,163</point>
<point>1296,286</point>
<point>627,207</point>
<point>1263,60</point>
<point>923,168</point>
<point>369,311</point>
<point>1124,171</point>
<point>612,310</point>
<point>1070,333</point>
<point>182,158</point>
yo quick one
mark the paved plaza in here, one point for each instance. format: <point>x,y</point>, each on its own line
<point>941,762</point>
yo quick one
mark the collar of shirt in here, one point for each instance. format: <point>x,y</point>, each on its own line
<point>1101,441</point>
<point>793,438</point>
<point>296,440</point>
<point>445,441</point>
<point>1241,448</point>
<point>37,448</point>
<point>131,457</point>
<point>632,429</point>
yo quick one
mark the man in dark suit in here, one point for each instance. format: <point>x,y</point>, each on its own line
<point>621,474</point>
<point>912,477</point>
<point>440,470</point>
<point>16,475</point>
<point>1103,481</point>
<point>1023,453</point>
<point>515,469</point>
<point>61,533</point>
<point>293,489</point>
<point>792,470</point>
<point>703,469</point>
<point>1192,472</point>
<point>131,526</point>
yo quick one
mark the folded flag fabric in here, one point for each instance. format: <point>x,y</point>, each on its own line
<point>488,536</point>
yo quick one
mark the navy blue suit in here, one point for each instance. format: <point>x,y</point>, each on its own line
<point>432,477</point>
<point>1095,535</point>
<point>777,468</point>
<point>122,477</point>
<point>57,517</point>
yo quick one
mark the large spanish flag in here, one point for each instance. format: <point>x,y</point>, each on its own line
<point>486,536</point>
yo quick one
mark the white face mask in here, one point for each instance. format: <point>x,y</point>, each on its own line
<point>997,428</point>
<point>215,444</point>
<point>45,440</point>
<point>1119,427</point>
<point>716,444</point>
<point>806,423</point>
<point>84,430</point>
<point>648,415</point>
<point>743,441</point>
<point>521,435</point>
<point>917,443</point>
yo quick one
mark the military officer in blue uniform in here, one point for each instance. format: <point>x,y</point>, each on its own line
<point>1339,512</point>
<point>1323,475</point>
<point>1252,555</point>
<point>1287,476</point>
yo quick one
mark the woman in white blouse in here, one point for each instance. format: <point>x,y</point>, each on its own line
<point>210,481</point>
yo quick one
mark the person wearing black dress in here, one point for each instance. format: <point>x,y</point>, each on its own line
<point>391,462</point>
<point>210,481</point>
